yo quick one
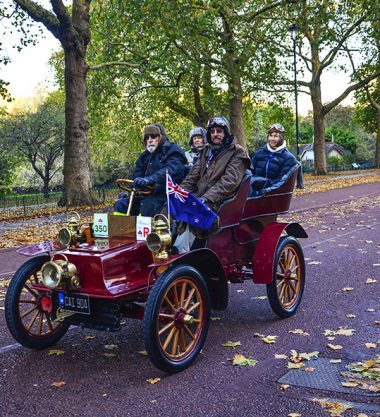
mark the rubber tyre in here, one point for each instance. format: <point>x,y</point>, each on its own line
<point>286,289</point>
<point>34,337</point>
<point>184,339</point>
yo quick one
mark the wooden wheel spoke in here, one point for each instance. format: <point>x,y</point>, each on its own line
<point>280,295</point>
<point>169,338</point>
<point>48,321</point>
<point>169,303</point>
<point>166,328</point>
<point>27,312</point>
<point>291,287</point>
<point>282,265</point>
<point>32,320</point>
<point>189,298</point>
<point>28,302</point>
<point>166,316</point>
<point>40,323</point>
<point>175,343</point>
<point>182,340</point>
<point>34,293</point>
<point>183,293</point>
<point>175,296</point>
<point>193,307</point>
<point>188,331</point>
<point>281,282</point>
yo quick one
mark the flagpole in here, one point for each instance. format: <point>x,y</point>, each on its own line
<point>167,197</point>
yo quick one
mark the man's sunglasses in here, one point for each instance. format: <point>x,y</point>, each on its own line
<point>146,137</point>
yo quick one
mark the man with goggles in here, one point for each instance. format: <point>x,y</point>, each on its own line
<point>216,175</point>
<point>159,155</point>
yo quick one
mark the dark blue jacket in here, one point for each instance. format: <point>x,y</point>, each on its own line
<point>272,165</point>
<point>167,156</point>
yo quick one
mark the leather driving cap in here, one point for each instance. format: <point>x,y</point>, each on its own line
<point>151,130</point>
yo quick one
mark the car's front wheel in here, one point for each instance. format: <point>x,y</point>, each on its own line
<point>28,308</point>
<point>176,318</point>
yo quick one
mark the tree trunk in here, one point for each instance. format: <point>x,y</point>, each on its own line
<point>377,149</point>
<point>320,167</point>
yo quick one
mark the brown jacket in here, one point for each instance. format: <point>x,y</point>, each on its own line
<point>221,179</point>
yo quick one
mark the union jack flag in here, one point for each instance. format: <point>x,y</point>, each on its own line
<point>184,206</point>
<point>175,189</point>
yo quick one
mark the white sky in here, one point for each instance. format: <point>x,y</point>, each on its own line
<point>29,69</point>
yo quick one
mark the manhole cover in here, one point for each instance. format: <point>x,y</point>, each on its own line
<point>325,377</point>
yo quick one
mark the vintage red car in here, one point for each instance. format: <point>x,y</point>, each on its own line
<point>96,283</point>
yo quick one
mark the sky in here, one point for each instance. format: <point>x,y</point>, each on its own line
<point>29,69</point>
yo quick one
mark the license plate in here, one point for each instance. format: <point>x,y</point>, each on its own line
<point>78,303</point>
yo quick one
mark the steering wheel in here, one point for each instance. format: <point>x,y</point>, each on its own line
<point>121,183</point>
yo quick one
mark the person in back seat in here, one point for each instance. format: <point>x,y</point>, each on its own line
<point>217,173</point>
<point>273,163</point>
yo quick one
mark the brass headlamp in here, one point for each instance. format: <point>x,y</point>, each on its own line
<point>159,240</point>
<point>69,235</point>
<point>60,273</point>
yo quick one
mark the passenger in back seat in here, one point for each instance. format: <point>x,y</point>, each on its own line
<point>273,163</point>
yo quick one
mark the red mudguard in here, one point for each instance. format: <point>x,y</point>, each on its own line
<point>265,252</point>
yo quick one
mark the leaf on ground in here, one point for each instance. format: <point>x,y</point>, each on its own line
<point>298,365</point>
<point>294,415</point>
<point>309,369</point>
<point>89,337</point>
<point>110,347</point>
<point>284,387</point>
<point>370,310</point>
<point>335,360</point>
<point>299,332</point>
<point>153,380</point>
<point>280,356</point>
<point>370,345</point>
<point>314,263</point>
<point>109,355</point>
<point>241,360</point>
<point>261,297</point>
<point>56,352</point>
<point>143,352</point>
<point>350,316</point>
<point>349,384</point>
<point>57,384</point>
<point>270,340</point>
<point>231,344</point>
<point>334,408</point>
<point>239,290</point>
<point>342,331</point>
<point>347,289</point>
<point>215,318</point>
<point>370,281</point>
<point>335,347</point>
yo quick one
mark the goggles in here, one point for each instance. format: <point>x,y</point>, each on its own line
<point>277,126</point>
<point>218,121</point>
<point>154,136</point>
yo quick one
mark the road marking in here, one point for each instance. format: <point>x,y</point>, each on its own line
<point>8,348</point>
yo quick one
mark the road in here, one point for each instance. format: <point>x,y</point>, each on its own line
<point>342,251</point>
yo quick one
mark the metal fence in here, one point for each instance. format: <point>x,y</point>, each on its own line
<point>25,206</point>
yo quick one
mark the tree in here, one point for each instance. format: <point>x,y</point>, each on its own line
<point>70,25</point>
<point>38,137</point>
<point>196,57</point>
<point>328,30</point>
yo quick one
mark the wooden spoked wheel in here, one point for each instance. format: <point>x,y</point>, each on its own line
<point>285,291</point>
<point>27,309</point>
<point>176,318</point>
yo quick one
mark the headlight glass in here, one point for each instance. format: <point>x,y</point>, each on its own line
<point>51,274</point>
<point>64,236</point>
<point>154,242</point>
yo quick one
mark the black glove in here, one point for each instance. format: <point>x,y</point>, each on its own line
<point>142,182</point>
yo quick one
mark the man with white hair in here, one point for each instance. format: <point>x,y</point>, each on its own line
<point>160,155</point>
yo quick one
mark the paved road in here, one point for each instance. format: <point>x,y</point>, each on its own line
<point>343,250</point>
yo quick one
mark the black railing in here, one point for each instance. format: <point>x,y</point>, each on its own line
<point>25,206</point>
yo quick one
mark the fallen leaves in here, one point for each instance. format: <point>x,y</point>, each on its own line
<point>58,384</point>
<point>314,263</point>
<point>364,375</point>
<point>231,344</point>
<point>299,332</point>
<point>334,347</point>
<point>342,331</point>
<point>334,408</point>
<point>270,340</point>
<point>241,360</point>
<point>370,345</point>
<point>346,289</point>
<point>153,380</point>
<point>370,281</point>
<point>56,352</point>
<point>296,360</point>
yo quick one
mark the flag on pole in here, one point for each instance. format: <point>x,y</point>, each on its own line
<point>184,206</point>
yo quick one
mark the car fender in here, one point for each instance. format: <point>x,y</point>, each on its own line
<point>41,248</point>
<point>209,266</point>
<point>263,259</point>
